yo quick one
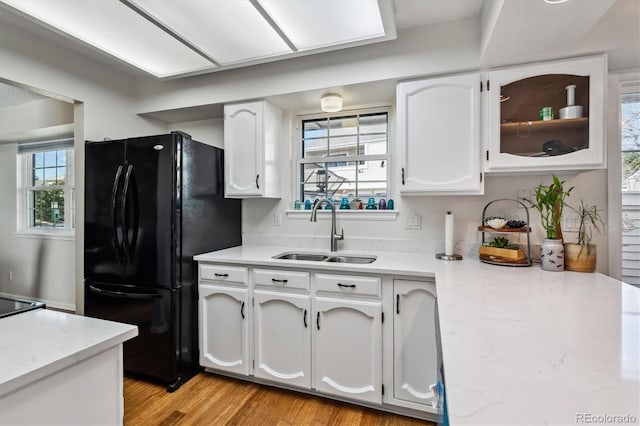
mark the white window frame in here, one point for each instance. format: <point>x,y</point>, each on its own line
<point>24,171</point>
<point>348,158</point>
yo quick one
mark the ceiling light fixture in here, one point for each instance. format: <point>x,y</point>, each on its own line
<point>555,1</point>
<point>331,102</point>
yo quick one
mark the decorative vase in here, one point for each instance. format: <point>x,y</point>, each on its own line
<point>580,257</point>
<point>552,255</point>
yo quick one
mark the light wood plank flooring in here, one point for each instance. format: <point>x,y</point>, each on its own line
<point>208,399</point>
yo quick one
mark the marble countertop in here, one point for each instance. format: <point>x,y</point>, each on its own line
<point>38,343</point>
<point>521,346</point>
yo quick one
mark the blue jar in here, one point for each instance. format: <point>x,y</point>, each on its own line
<point>328,207</point>
<point>307,204</point>
<point>296,205</point>
<point>344,205</point>
<point>390,204</point>
<point>371,205</point>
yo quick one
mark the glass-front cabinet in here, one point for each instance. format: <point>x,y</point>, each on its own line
<point>547,117</point>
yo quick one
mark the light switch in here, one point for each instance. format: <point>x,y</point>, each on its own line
<point>277,219</point>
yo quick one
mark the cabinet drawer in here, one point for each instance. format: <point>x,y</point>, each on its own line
<point>283,279</point>
<point>348,284</point>
<point>223,273</point>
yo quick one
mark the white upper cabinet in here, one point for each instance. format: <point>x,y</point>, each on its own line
<point>438,136</point>
<point>547,116</point>
<point>251,136</point>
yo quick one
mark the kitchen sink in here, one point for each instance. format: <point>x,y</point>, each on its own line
<point>351,259</point>
<point>317,257</point>
<point>302,256</point>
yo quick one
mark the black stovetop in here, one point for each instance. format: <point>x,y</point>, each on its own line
<point>14,306</point>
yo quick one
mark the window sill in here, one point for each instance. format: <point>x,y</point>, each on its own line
<point>390,215</point>
<point>43,235</point>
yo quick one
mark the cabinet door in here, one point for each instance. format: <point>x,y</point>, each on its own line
<point>439,135</point>
<point>348,349</point>
<point>243,149</point>
<point>414,341</point>
<point>523,137</point>
<point>282,338</point>
<point>224,328</point>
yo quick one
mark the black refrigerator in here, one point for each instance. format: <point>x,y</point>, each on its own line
<point>151,204</point>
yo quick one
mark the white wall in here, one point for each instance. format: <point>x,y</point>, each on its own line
<point>34,115</point>
<point>104,107</point>
<point>18,254</point>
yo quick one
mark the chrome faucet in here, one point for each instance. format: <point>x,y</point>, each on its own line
<point>334,235</point>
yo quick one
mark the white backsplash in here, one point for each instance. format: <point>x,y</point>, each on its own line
<point>363,244</point>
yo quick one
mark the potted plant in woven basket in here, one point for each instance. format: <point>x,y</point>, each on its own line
<point>550,201</point>
<point>581,256</point>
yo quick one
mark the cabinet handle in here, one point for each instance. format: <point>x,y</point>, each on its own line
<point>257,181</point>
<point>347,285</point>
<point>242,310</point>
<point>397,304</point>
<point>403,175</point>
<point>221,275</point>
<point>278,281</point>
<point>318,321</point>
<point>304,318</point>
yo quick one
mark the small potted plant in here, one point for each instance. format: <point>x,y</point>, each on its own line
<point>550,201</point>
<point>501,248</point>
<point>581,256</point>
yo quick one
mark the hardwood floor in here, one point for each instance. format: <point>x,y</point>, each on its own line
<point>208,399</point>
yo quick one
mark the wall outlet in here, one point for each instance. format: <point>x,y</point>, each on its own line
<point>277,218</point>
<point>414,221</point>
<point>570,222</point>
<point>10,275</point>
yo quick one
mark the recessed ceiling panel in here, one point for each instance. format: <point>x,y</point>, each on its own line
<point>114,28</point>
<point>320,23</point>
<point>228,30</point>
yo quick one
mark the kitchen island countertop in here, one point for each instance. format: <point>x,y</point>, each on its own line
<point>38,343</point>
<point>520,345</point>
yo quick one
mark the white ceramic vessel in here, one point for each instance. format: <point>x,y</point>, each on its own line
<point>552,255</point>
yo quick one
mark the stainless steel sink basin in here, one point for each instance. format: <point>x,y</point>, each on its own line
<point>351,259</point>
<point>302,256</point>
<point>317,257</point>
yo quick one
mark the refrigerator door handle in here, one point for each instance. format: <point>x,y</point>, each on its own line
<point>124,295</point>
<point>114,213</point>
<point>129,183</point>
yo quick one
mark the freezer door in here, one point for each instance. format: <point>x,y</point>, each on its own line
<point>103,237</point>
<point>148,211</point>
<point>153,352</point>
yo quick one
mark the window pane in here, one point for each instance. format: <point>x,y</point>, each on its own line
<point>50,159</point>
<point>315,128</point>
<point>47,208</point>
<point>315,148</point>
<point>49,175</point>
<point>344,145</point>
<point>38,159</point>
<point>631,171</point>
<point>348,136</point>
<point>343,126</point>
<point>374,123</point>
<point>38,177</point>
<point>61,173</point>
<point>372,189</point>
<point>62,157</point>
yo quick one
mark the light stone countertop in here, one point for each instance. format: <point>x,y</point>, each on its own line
<point>38,343</point>
<point>521,346</point>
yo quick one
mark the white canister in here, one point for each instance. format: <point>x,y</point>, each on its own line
<point>552,255</point>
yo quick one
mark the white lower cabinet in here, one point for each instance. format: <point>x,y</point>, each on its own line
<point>323,332</point>
<point>282,338</point>
<point>224,328</point>
<point>348,349</point>
<point>414,343</point>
